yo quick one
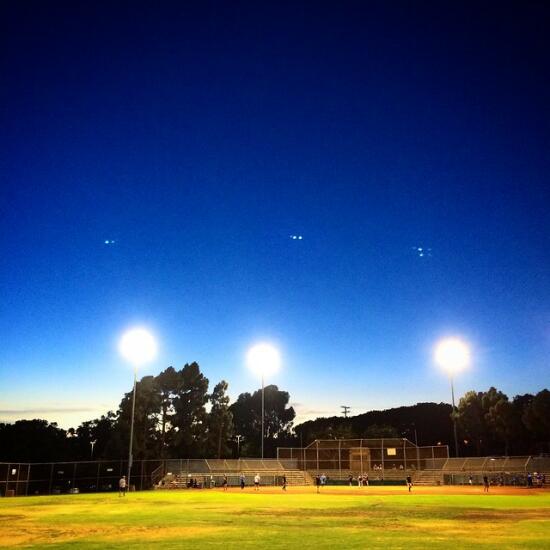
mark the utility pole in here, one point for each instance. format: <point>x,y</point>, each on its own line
<point>345,410</point>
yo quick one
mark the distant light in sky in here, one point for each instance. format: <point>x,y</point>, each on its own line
<point>107,241</point>
<point>422,251</point>
<point>264,359</point>
<point>296,237</point>
<point>452,354</point>
<point>138,346</point>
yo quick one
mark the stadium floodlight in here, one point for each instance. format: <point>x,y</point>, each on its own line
<point>453,355</point>
<point>264,360</point>
<point>138,346</point>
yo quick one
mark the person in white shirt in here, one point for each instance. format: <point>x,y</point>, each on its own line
<point>257,482</point>
<point>122,486</point>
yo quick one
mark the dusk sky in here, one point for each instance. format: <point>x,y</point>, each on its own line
<point>200,136</point>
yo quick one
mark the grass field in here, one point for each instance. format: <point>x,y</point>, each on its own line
<point>339,517</point>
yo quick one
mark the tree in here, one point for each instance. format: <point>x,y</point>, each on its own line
<point>102,431</point>
<point>376,431</point>
<point>189,412</point>
<point>471,419</point>
<point>145,419</point>
<point>167,386</point>
<point>247,417</point>
<point>33,441</point>
<point>220,422</point>
<point>501,417</point>
<point>536,418</point>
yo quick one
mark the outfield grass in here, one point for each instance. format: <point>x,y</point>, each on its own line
<point>213,519</point>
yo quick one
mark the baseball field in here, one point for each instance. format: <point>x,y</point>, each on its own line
<point>338,517</point>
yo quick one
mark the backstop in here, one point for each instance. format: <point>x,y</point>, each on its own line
<point>382,455</point>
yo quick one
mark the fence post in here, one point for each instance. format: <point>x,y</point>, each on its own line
<point>317,446</point>
<point>382,458</point>
<point>339,459</point>
<point>97,479</point>
<point>361,454</point>
<point>404,455</point>
<point>8,478</point>
<point>17,482</point>
<point>28,478</point>
<point>51,479</point>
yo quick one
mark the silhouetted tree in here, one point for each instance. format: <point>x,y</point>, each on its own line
<point>219,422</point>
<point>102,432</point>
<point>502,418</point>
<point>167,383</point>
<point>33,441</point>
<point>189,417</point>
<point>536,417</point>
<point>471,420</point>
<point>247,417</point>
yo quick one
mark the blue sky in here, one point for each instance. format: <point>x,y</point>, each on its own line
<point>200,137</point>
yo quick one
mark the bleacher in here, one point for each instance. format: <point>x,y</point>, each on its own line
<point>209,473</point>
<point>389,474</point>
<point>428,477</point>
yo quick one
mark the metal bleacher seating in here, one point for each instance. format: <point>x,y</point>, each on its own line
<point>209,472</point>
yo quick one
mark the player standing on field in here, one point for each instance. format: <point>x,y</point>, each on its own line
<point>122,486</point>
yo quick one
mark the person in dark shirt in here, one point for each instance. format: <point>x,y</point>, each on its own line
<point>485,484</point>
<point>409,483</point>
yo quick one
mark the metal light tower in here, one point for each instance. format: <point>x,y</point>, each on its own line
<point>453,356</point>
<point>138,347</point>
<point>263,359</point>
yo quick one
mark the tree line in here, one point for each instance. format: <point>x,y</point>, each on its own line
<point>176,416</point>
<point>488,423</point>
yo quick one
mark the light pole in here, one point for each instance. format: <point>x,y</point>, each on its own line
<point>138,347</point>
<point>263,359</point>
<point>453,355</point>
<point>92,444</point>
<point>238,438</point>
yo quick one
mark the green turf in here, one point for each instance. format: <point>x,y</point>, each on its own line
<point>212,519</point>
